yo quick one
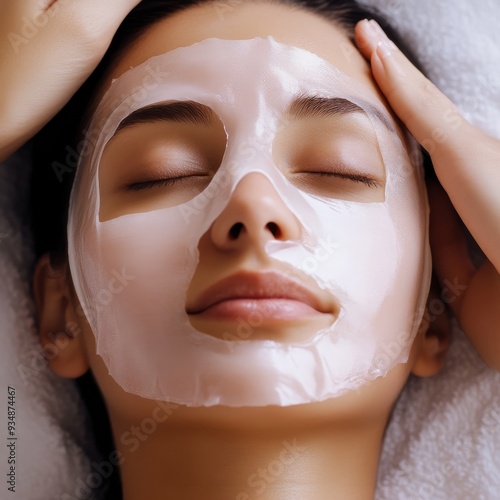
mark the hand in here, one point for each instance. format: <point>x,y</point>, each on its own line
<point>467,164</point>
<point>47,50</point>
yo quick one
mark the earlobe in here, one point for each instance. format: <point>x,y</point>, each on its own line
<point>434,339</point>
<point>57,322</point>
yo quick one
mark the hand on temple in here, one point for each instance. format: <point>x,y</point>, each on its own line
<point>467,164</point>
<point>47,50</point>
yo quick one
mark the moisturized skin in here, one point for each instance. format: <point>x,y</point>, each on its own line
<point>300,452</point>
<point>286,285</point>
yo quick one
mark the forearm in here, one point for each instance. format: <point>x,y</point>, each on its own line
<point>473,185</point>
<point>480,313</point>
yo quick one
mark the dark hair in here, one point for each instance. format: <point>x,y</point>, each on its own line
<point>56,149</point>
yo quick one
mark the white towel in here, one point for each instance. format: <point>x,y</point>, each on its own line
<point>444,438</point>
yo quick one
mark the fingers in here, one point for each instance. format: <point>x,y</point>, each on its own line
<point>465,158</point>
<point>32,14</point>
<point>429,115</point>
<point>93,18</point>
<point>49,49</point>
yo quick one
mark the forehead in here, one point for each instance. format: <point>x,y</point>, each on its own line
<point>247,20</point>
<point>263,73</point>
<point>287,24</point>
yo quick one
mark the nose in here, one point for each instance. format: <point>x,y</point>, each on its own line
<point>254,215</point>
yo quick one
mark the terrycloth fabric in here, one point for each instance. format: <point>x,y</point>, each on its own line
<point>50,452</point>
<point>444,438</point>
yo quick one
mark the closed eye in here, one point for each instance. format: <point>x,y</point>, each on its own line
<point>339,182</point>
<point>360,178</point>
<point>170,181</point>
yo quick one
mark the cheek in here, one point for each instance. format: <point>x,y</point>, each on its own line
<point>367,254</point>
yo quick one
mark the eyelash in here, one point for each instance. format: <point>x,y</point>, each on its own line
<point>139,186</point>
<point>170,181</point>
<point>372,183</point>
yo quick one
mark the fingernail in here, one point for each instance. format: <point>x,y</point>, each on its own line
<point>383,49</point>
<point>377,28</point>
<point>369,29</point>
<point>380,34</point>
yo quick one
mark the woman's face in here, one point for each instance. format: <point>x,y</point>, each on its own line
<point>261,213</point>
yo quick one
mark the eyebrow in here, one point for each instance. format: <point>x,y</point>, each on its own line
<point>178,111</point>
<point>303,106</point>
<point>306,106</point>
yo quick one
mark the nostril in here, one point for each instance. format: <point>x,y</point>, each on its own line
<point>235,230</point>
<point>274,229</point>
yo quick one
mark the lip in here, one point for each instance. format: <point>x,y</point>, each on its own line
<point>272,294</point>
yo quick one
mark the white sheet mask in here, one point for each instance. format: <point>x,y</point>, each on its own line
<point>131,272</point>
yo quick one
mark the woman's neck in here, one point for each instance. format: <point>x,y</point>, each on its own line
<point>257,453</point>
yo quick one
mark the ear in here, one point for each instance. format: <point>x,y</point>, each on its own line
<point>434,336</point>
<point>57,321</point>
